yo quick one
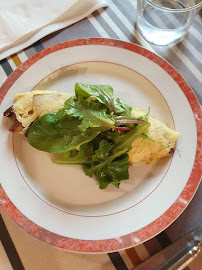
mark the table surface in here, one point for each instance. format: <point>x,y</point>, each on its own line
<point>18,250</point>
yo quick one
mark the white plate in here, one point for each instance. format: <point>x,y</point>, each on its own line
<point>60,198</point>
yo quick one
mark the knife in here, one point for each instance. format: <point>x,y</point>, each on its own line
<point>176,256</point>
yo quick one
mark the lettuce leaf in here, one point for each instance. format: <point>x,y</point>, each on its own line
<point>102,152</point>
<point>102,93</point>
<point>82,157</point>
<point>108,168</point>
<point>113,173</point>
<point>122,108</point>
<point>89,114</point>
<point>59,133</point>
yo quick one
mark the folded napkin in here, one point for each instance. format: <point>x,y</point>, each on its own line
<point>23,22</point>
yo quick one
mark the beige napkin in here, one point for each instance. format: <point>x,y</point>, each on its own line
<point>23,22</point>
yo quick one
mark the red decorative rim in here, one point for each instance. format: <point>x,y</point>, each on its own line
<point>152,229</point>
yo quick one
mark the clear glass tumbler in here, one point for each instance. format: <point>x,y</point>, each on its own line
<point>164,22</point>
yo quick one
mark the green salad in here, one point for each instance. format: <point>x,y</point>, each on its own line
<point>91,130</point>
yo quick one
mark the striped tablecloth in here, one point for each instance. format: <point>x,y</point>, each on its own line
<point>19,250</point>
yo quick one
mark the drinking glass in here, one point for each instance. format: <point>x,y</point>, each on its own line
<point>164,22</point>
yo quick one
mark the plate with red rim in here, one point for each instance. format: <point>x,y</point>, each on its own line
<point>59,204</point>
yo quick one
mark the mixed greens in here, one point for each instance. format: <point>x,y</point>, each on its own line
<point>91,130</point>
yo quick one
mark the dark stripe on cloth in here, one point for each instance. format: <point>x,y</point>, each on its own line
<point>81,29</point>
<point>127,9</point>
<point>117,261</point>
<point>194,41</point>
<point>6,67</point>
<point>30,51</point>
<point>197,26</point>
<point>152,246</point>
<point>188,52</point>
<point>122,26</point>
<point>131,8</point>
<point>184,70</point>
<point>9,247</point>
<point>38,46</point>
<point>105,25</point>
<point>163,239</point>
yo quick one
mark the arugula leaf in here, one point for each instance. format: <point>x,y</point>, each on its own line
<point>103,152</point>
<point>90,171</point>
<point>110,136</point>
<point>111,162</point>
<point>86,112</point>
<point>113,173</point>
<point>59,133</point>
<point>122,108</point>
<point>108,168</point>
<point>103,93</point>
<point>82,157</point>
